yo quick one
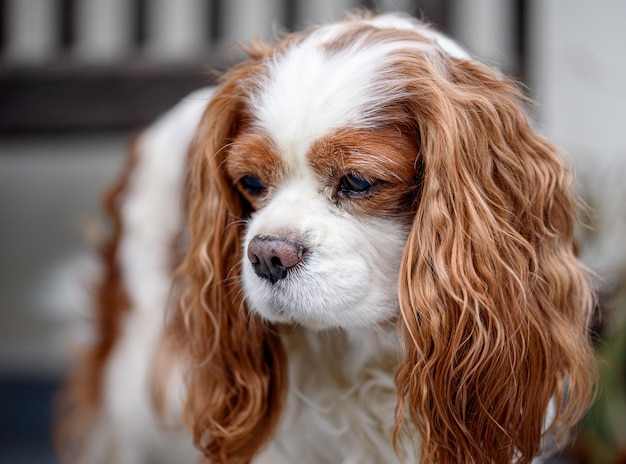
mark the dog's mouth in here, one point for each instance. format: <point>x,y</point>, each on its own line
<point>331,277</point>
<point>281,301</point>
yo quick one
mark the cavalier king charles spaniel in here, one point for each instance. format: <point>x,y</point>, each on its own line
<point>355,249</point>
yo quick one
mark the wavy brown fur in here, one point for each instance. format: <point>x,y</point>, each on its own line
<point>494,304</point>
<point>238,374</point>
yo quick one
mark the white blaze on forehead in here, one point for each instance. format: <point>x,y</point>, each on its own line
<point>311,91</point>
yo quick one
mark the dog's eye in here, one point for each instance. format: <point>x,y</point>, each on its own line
<point>252,185</point>
<point>352,184</point>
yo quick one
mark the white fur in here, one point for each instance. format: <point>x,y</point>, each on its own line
<point>341,400</point>
<point>401,21</point>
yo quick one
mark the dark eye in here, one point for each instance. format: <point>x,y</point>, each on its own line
<point>252,185</point>
<point>352,184</point>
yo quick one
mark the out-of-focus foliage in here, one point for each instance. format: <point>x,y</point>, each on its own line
<point>602,435</point>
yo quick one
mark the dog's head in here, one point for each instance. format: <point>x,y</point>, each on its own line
<point>370,171</point>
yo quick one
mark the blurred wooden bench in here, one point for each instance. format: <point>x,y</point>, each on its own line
<point>113,64</point>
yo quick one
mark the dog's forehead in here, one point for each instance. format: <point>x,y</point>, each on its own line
<point>309,93</point>
<point>326,82</point>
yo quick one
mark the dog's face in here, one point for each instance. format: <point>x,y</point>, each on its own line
<point>324,244</point>
<point>329,165</point>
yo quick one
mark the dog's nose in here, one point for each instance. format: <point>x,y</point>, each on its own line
<point>272,257</point>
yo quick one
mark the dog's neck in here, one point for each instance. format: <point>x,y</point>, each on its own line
<point>342,356</point>
<point>341,393</point>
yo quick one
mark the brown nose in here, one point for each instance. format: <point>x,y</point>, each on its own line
<point>273,257</point>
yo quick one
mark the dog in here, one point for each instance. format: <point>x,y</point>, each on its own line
<point>355,249</point>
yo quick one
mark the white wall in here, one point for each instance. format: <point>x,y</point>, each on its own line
<point>578,75</point>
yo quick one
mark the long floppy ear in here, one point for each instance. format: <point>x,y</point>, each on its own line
<point>237,366</point>
<point>494,304</point>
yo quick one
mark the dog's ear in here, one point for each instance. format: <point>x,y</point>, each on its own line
<point>237,363</point>
<point>494,303</point>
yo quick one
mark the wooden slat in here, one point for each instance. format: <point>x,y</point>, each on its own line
<point>177,30</point>
<point>323,11</point>
<point>104,30</point>
<point>245,19</point>
<point>32,30</point>
<point>53,99</point>
<point>488,29</point>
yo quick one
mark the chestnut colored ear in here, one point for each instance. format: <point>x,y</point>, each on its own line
<point>494,304</point>
<point>237,364</point>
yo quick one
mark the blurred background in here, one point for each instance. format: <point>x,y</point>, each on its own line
<point>78,77</point>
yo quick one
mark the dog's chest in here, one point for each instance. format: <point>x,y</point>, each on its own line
<point>340,407</point>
